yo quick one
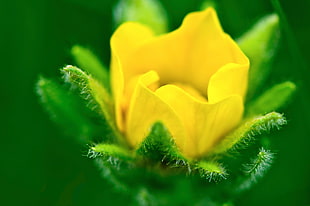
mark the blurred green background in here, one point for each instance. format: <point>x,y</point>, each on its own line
<point>42,165</point>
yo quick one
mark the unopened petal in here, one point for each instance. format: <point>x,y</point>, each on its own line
<point>128,37</point>
<point>190,54</point>
<point>146,108</point>
<point>205,123</point>
<point>124,41</point>
<point>231,79</point>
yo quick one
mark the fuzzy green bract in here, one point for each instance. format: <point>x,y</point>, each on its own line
<point>67,110</point>
<point>247,131</point>
<point>160,146</point>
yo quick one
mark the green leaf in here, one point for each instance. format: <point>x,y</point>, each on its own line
<point>65,109</point>
<point>160,146</point>
<point>148,12</point>
<point>88,61</point>
<point>272,99</point>
<point>260,44</point>
<point>256,169</point>
<point>211,170</point>
<point>244,134</point>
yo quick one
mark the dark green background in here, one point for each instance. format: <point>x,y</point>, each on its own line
<point>41,165</point>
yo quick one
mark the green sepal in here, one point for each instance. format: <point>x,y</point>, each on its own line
<point>111,152</point>
<point>148,12</point>
<point>211,170</point>
<point>90,63</point>
<point>65,109</point>
<point>97,97</point>
<point>249,129</point>
<point>259,165</point>
<point>255,169</point>
<point>260,44</point>
<point>160,146</point>
<point>271,100</point>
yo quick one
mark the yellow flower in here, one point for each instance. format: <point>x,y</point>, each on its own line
<point>193,80</point>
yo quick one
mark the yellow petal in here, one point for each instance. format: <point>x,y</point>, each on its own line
<point>205,123</point>
<point>124,41</point>
<point>146,108</point>
<point>117,85</point>
<point>190,54</point>
<point>231,79</point>
<point>128,37</point>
